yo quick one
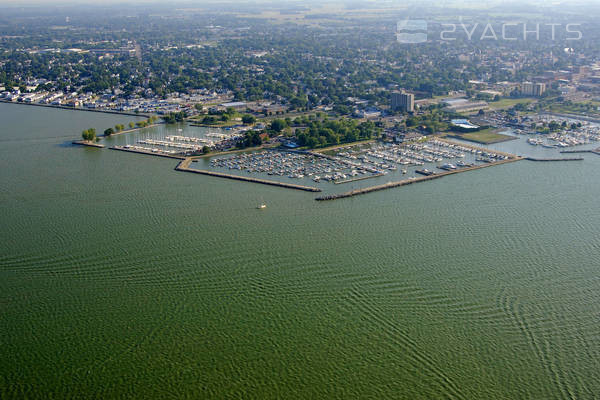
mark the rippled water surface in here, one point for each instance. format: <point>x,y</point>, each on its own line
<point>120,277</point>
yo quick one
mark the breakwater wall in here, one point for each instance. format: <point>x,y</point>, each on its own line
<point>88,144</point>
<point>594,151</point>
<point>554,159</point>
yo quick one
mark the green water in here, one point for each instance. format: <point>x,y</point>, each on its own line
<point>122,278</point>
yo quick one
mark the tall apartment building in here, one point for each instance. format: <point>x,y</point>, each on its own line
<point>403,101</point>
<point>533,89</point>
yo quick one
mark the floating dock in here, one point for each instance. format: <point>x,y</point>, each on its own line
<point>184,166</point>
<point>149,153</point>
<point>405,182</point>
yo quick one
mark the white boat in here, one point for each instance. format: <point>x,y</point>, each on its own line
<point>261,206</point>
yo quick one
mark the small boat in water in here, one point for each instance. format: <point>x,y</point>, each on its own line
<point>261,206</point>
<point>425,172</point>
<point>448,167</point>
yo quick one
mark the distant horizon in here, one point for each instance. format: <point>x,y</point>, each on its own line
<point>465,3</point>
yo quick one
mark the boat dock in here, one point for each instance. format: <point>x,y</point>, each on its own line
<point>149,153</point>
<point>362,178</point>
<point>184,166</point>
<point>405,182</point>
<point>443,139</point>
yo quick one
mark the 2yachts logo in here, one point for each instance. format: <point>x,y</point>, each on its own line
<point>415,31</point>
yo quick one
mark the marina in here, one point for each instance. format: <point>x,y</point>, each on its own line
<point>184,141</point>
<point>361,161</point>
<point>184,166</point>
<point>409,181</point>
<point>572,131</point>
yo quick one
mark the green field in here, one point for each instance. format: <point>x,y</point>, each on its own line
<point>508,103</point>
<point>485,136</point>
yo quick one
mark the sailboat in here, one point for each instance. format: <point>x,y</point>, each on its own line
<point>262,205</point>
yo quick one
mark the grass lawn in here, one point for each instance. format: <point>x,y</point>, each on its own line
<point>485,136</point>
<point>508,103</point>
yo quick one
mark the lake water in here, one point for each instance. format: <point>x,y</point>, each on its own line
<point>120,277</point>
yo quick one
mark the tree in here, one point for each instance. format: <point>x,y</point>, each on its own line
<point>209,119</point>
<point>119,127</point>
<point>205,149</point>
<point>131,125</point>
<point>89,134</point>
<point>277,125</point>
<point>172,118</point>
<point>312,142</point>
<point>109,132</point>
<point>248,119</point>
<point>553,125</point>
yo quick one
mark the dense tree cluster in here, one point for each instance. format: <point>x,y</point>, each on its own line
<point>332,132</point>
<point>89,135</point>
<point>173,118</point>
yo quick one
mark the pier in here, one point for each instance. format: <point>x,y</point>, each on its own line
<point>405,182</point>
<point>184,166</point>
<point>362,178</point>
<point>149,153</point>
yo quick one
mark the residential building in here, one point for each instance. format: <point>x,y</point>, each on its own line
<point>403,101</point>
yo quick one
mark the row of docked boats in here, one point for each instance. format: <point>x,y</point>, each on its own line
<point>293,165</point>
<point>154,150</point>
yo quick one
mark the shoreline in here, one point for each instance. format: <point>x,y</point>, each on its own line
<point>140,115</point>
